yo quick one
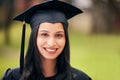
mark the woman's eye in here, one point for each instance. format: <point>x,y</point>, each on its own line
<point>44,34</point>
<point>59,35</point>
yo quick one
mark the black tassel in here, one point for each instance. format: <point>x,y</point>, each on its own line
<point>22,48</point>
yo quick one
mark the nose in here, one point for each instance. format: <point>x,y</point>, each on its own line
<point>51,42</point>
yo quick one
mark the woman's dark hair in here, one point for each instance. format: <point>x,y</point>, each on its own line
<point>32,68</point>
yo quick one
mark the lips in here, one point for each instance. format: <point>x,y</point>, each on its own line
<point>51,50</point>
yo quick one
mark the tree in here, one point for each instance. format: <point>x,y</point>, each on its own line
<point>106,16</point>
<point>7,12</point>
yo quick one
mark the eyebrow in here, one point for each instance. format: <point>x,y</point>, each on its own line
<point>60,32</point>
<point>43,30</point>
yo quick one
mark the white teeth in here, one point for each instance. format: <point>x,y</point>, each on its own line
<point>50,50</point>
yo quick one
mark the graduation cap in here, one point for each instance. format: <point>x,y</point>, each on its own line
<point>48,11</point>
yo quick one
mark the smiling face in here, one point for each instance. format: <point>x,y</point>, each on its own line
<point>50,40</point>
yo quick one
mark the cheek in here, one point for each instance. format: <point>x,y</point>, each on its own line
<point>40,42</point>
<point>62,43</point>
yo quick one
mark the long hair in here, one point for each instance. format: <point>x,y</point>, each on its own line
<point>32,67</point>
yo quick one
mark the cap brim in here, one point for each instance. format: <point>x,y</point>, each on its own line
<point>66,8</point>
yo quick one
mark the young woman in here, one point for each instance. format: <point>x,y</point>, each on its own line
<point>48,54</point>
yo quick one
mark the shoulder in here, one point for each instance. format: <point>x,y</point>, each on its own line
<point>79,75</point>
<point>11,74</point>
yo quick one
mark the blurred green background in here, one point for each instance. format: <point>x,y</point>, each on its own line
<point>98,55</point>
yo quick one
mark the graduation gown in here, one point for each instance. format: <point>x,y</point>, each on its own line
<point>13,74</point>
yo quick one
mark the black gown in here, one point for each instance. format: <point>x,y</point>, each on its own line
<point>13,74</point>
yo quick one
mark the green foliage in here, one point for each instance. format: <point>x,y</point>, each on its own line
<point>96,55</point>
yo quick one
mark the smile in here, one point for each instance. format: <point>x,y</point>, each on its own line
<point>51,50</point>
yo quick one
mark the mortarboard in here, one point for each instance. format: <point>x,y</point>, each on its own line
<point>48,11</point>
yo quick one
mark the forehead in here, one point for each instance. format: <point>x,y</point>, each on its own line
<point>51,26</point>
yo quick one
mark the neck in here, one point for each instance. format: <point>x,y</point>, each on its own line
<point>48,67</point>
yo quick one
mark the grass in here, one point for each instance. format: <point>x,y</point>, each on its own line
<point>96,55</point>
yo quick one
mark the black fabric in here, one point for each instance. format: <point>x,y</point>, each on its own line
<point>51,16</point>
<point>68,10</point>
<point>79,75</point>
<point>14,74</point>
<point>51,78</point>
